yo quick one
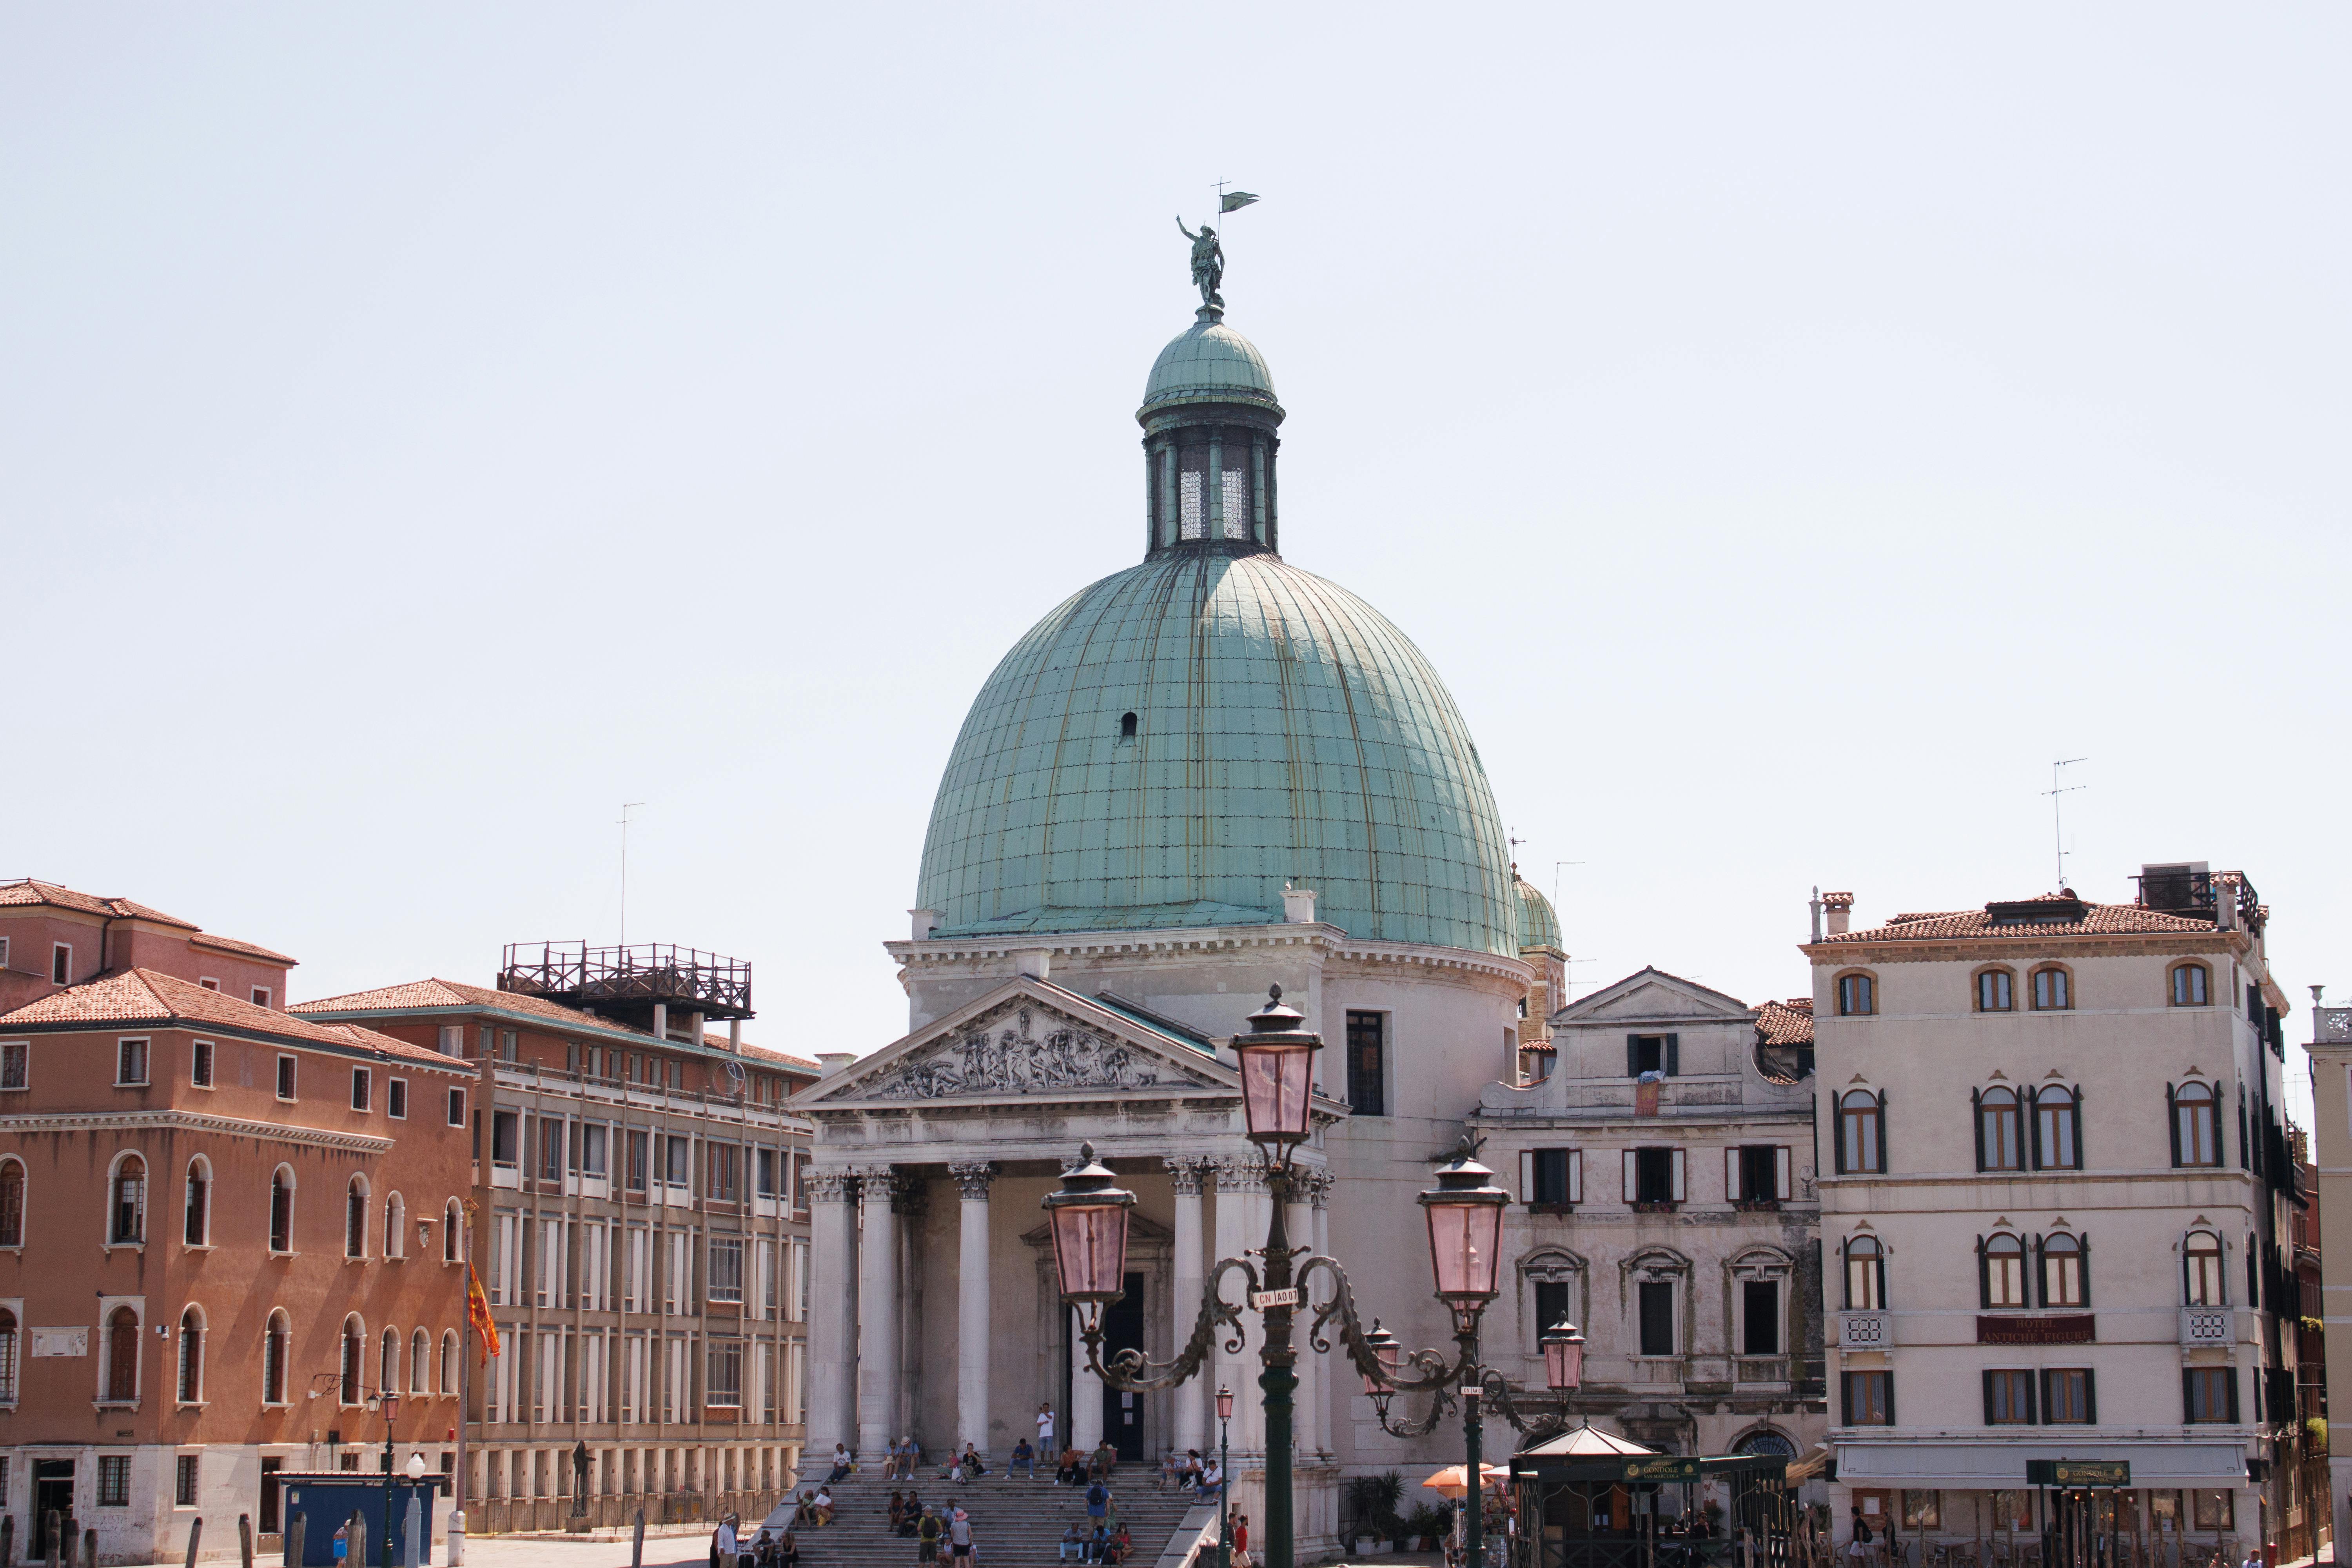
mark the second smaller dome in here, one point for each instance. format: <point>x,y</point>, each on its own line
<point>1210,362</point>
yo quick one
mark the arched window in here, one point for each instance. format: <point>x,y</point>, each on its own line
<point>420,1363</point>
<point>354,1348</point>
<point>282,1210</point>
<point>1857,994</point>
<point>355,1215</point>
<point>191,1356</point>
<point>2000,1131</point>
<point>2202,1278</point>
<point>2053,989</point>
<point>2196,1124</point>
<point>453,1221</point>
<point>387,1366</point>
<point>2001,1271</point>
<point>1764,1441</point>
<point>395,1224</point>
<point>2192,985</point>
<point>449,1364</point>
<point>1862,1132</point>
<point>123,1357</point>
<point>276,1341</point>
<point>1865,1275</point>
<point>2066,1280</point>
<point>2057,1129</point>
<point>1995,990</point>
<point>196,1213</point>
<point>12,1203</point>
<point>126,1208</point>
<point>7,1356</point>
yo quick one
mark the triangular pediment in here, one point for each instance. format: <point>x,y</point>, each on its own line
<point>1652,994</point>
<point>1028,1039</point>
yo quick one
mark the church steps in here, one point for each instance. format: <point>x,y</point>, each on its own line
<point>1014,1524</point>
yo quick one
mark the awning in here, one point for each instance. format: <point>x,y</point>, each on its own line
<point>1992,1467</point>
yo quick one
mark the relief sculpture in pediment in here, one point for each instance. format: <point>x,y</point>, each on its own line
<point>1016,1059</point>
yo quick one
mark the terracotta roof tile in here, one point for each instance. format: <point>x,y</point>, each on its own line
<point>32,891</point>
<point>230,944</point>
<point>761,1053</point>
<point>1789,1023</point>
<point>2097,920</point>
<point>146,996</point>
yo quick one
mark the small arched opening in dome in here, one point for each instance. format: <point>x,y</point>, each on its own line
<point>1127,726</point>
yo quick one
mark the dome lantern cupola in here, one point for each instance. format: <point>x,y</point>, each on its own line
<point>1209,418</point>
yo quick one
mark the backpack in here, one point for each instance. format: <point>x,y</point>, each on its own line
<point>1861,1532</point>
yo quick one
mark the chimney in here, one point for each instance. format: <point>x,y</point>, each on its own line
<point>925,921</point>
<point>1036,962</point>
<point>1839,908</point>
<point>833,1061</point>
<point>1297,905</point>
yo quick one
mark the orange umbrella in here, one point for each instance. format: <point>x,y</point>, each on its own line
<point>1452,1479</point>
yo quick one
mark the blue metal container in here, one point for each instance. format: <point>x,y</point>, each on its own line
<point>327,1499</point>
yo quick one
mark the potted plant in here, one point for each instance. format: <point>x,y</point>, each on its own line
<point>1387,1496</point>
<point>1358,1502</point>
<point>1422,1526</point>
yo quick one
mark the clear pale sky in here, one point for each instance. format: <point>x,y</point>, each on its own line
<point>1789,430</point>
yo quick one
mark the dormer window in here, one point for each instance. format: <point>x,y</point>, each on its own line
<point>1127,726</point>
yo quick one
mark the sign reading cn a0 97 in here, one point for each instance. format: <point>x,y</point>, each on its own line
<point>2078,1472</point>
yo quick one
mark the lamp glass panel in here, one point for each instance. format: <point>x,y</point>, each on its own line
<point>1274,1081</point>
<point>1563,1363</point>
<point>1090,1249</point>
<point>1463,1242</point>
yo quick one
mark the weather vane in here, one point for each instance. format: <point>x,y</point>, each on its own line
<point>1208,255</point>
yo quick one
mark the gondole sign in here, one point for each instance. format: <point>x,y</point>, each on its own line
<point>1663,1468</point>
<point>2078,1472</point>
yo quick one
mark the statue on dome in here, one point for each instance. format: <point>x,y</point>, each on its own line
<point>1208,263</point>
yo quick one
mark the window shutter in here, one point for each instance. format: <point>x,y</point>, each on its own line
<point>2091,1392</point>
<point>1731,1173</point>
<point>2035,1404</point>
<point>1631,1185</point>
<point>1527,1175</point>
<point>1673,1055</point>
<point>2172,1120</point>
<point>2187,1393</point>
<point>2245,1154</point>
<point>1987,1377</point>
<point>2082,1263</point>
<point>1984,1276</point>
<point>1632,1056</point>
<point>1681,1188</point>
<point>1976,1116</point>
<point>2036,1291</point>
<point>2082,1155</point>
<point>2029,1105</point>
<point>1890,1405</point>
<point>1879,1114</point>
<point>1837,1133</point>
<point>1576,1175</point>
<point>1781,1187</point>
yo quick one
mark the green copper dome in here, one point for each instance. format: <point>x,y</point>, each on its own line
<point>1209,363</point>
<point>1538,927</point>
<point>1172,744</point>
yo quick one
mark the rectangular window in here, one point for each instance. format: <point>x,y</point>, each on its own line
<point>636,1168</point>
<point>1995,992</point>
<point>184,1481</point>
<point>363,1088</point>
<point>1653,1175</point>
<point>2212,1510</point>
<point>766,1173</point>
<point>1759,1326</point>
<point>506,1138</point>
<point>508,1041</point>
<point>114,1480</point>
<point>452,1040</point>
<point>800,1183</point>
<point>678,1153</point>
<point>60,964</point>
<point>1760,1165</point>
<point>1657,1307</point>
<point>724,1387</point>
<point>1552,1304</point>
<point>200,1064</point>
<point>395,1099</point>
<point>1553,1174</point>
<point>1367,1063</point>
<point>726,1280</point>
<point>16,1064</point>
<point>1869,1398</point>
<point>550,1148</point>
<point>457,1108</point>
<point>592,1148</point>
<point>724,1163</point>
<point>2209,1394</point>
<point>130,1063</point>
<point>2009,1398</point>
<point>1857,995</point>
<point>2051,990</point>
<point>1652,1054</point>
<point>2066,1397</point>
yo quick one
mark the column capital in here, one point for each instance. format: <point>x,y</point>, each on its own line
<point>1241,1176</point>
<point>1186,1176</point>
<point>1319,1187</point>
<point>832,1186</point>
<point>972,1178</point>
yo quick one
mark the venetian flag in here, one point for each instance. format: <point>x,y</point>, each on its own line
<point>1234,200</point>
<point>477,1312</point>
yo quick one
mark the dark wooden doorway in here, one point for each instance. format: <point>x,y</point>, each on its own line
<point>52,1490</point>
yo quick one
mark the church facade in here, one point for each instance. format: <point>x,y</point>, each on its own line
<point>1204,776</point>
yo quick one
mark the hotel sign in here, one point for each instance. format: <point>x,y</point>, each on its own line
<point>2073,1329</point>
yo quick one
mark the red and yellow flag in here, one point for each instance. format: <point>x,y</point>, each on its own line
<point>477,1312</point>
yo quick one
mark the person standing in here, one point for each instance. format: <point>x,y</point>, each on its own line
<point>927,1538</point>
<point>1241,1542</point>
<point>959,1535</point>
<point>722,1543</point>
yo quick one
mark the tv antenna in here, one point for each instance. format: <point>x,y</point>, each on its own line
<point>626,807</point>
<point>2057,809</point>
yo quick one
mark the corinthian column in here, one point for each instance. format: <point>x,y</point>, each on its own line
<point>1304,1218</point>
<point>1242,1210</point>
<point>833,1257</point>
<point>971,1304</point>
<point>1191,1408</point>
<point>877,1316</point>
<point>1086,1391</point>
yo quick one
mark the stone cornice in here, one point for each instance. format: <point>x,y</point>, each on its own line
<point>193,1121</point>
<point>2025,944</point>
<point>1189,941</point>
